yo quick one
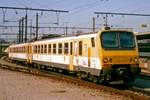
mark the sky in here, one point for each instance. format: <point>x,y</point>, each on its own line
<point>80,14</point>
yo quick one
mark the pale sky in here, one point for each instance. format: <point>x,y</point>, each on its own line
<point>80,13</point>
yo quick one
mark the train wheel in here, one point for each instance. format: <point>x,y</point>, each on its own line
<point>102,80</point>
<point>79,74</point>
<point>94,79</point>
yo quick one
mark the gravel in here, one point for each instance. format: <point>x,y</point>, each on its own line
<point>21,86</point>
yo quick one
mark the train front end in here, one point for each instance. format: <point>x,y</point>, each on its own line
<point>119,55</point>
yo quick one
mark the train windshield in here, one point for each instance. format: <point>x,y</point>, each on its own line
<point>126,40</point>
<point>117,40</point>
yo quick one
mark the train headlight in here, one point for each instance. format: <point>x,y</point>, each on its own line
<point>135,59</point>
<point>107,60</point>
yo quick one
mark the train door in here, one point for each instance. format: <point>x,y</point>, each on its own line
<point>29,53</point>
<point>76,53</point>
<point>71,58</point>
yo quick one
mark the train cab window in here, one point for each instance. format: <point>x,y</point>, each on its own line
<point>49,48</point>
<point>54,48</point>
<point>80,47</point>
<point>71,48</point>
<point>42,48</point>
<point>66,48</point>
<point>45,48</point>
<point>60,48</point>
<point>93,42</point>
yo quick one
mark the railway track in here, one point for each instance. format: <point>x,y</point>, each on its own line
<point>134,93</point>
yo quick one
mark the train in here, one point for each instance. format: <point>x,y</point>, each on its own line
<point>143,40</point>
<point>109,55</point>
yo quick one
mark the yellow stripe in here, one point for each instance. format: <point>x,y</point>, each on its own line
<point>89,56</point>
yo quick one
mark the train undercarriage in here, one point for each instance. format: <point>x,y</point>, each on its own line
<point>116,74</point>
<point>119,74</point>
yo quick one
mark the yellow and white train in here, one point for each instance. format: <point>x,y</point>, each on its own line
<point>108,55</point>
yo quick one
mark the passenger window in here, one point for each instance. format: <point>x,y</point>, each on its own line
<point>66,48</point>
<point>71,48</point>
<point>60,48</point>
<point>38,48</point>
<point>18,49</point>
<point>80,47</point>
<point>49,48</point>
<point>24,49</point>
<point>35,49</point>
<point>41,48</point>
<point>45,48</point>
<point>54,48</point>
<point>93,42</point>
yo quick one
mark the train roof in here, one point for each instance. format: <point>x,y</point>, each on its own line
<point>21,44</point>
<point>86,34</point>
<point>79,35</point>
<point>67,37</point>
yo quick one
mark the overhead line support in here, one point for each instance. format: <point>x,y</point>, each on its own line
<point>129,14</point>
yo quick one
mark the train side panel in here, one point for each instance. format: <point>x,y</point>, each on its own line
<point>19,52</point>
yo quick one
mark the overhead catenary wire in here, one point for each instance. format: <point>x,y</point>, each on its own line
<point>33,9</point>
<point>61,27</point>
<point>116,13</point>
